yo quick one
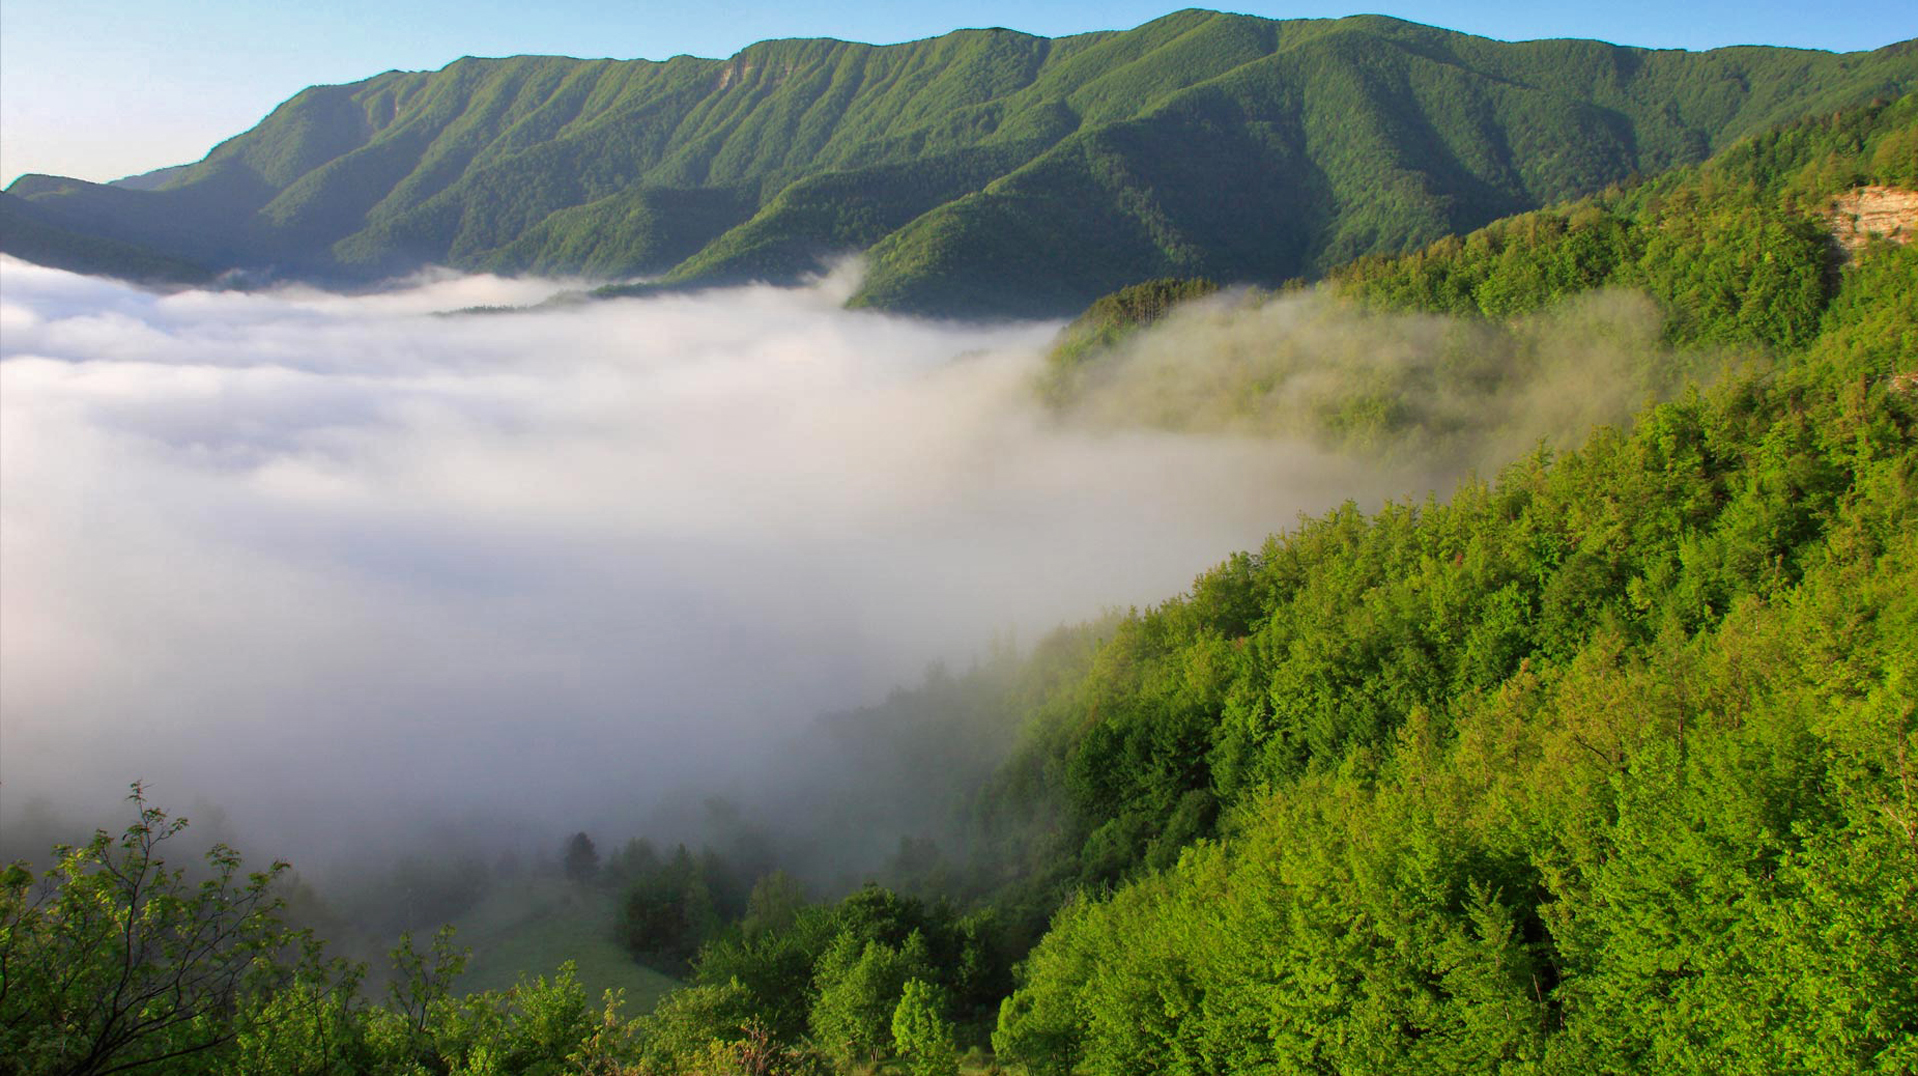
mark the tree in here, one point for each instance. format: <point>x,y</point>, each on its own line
<point>581,859</point>
<point>682,1029</point>
<point>776,901</point>
<point>921,1033</point>
<point>668,914</point>
<point>858,989</point>
<point>112,962</point>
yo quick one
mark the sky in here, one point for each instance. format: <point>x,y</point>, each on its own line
<point>109,88</point>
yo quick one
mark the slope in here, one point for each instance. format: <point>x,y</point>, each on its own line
<point>1736,253</point>
<point>26,233</point>
<point>543,923</point>
<point>985,170</point>
<point>1603,766</point>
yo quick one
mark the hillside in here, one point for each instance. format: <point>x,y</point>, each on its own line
<point>1600,766</point>
<point>26,233</point>
<point>1603,766</point>
<point>985,171</point>
<point>535,926</point>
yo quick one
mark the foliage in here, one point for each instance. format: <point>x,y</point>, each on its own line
<point>113,961</point>
<point>775,904</point>
<point>1603,766</point>
<point>1535,329</point>
<point>1736,250</point>
<point>921,1034</point>
<point>832,975</point>
<point>857,988</point>
<point>682,1032</point>
<point>669,912</point>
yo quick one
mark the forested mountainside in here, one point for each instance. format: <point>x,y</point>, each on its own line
<point>985,171</point>
<point>1605,765</point>
<point>27,233</point>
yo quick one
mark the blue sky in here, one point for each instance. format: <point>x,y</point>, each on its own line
<point>104,88</point>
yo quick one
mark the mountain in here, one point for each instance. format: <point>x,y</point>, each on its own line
<point>25,232</point>
<point>1603,765</point>
<point>982,171</point>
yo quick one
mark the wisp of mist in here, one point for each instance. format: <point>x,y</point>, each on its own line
<point>347,565</point>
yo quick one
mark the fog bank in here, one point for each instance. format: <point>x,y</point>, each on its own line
<point>1427,395</point>
<point>346,567</point>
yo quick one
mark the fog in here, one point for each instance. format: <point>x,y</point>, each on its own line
<point>1427,396</point>
<point>352,570</point>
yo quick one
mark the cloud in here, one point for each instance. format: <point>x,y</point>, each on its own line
<point>1432,397</point>
<point>336,561</point>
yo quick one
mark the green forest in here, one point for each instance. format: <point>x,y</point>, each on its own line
<point>985,172</point>
<point>1605,762</point>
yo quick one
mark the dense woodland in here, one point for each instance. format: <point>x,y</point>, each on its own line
<point>982,172</point>
<point>1605,763</point>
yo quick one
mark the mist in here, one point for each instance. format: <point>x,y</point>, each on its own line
<point>1427,396</point>
<point>353,573</point>
<point>351,570</point>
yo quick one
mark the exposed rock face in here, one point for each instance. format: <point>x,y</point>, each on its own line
<point>1885,212</point>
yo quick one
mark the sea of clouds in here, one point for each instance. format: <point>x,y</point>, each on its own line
<point>342,563</point>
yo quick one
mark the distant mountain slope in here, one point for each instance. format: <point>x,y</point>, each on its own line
<point>985,170</point>
<point>25,233</point>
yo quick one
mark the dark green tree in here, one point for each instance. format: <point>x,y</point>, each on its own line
<point>581,859</point>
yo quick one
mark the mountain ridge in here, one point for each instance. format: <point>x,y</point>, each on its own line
<point>983,171</point>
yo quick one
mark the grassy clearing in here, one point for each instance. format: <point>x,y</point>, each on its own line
<point>531,927</point>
